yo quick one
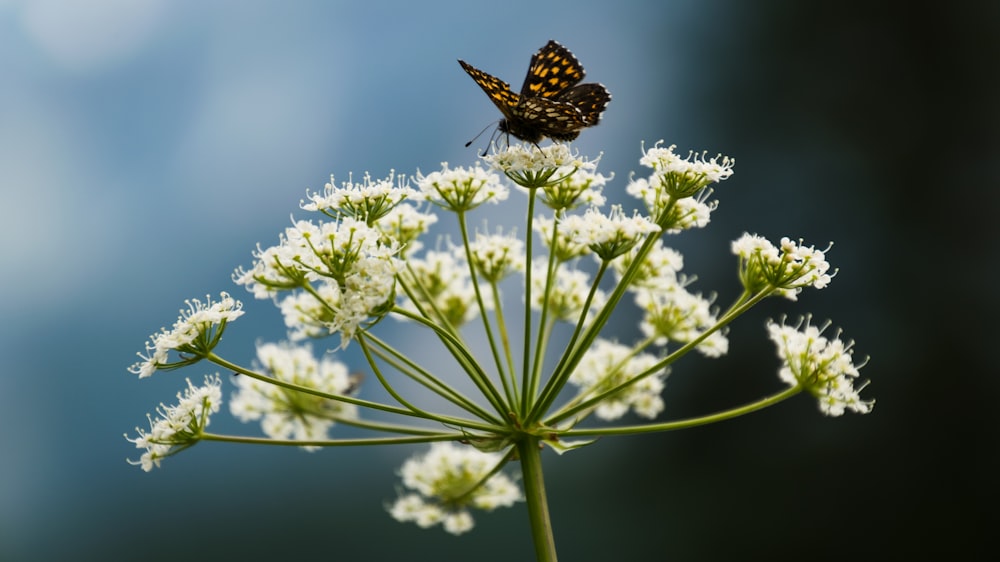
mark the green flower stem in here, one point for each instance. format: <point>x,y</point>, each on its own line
<point>558,379</point>
<point>331,442</point>
<point>509,382</point>
<point>529,451</point>
<point>490,337</point>
<point>528,246</point>
<point>406,366</point>
<point>386,427</point>
<point>426,299</point>
<point>532,391</point>
<point>449,420</point>
<point>464,358</point>
<point>743,303</point>
<point>385,384</point>
<point>690,422</point>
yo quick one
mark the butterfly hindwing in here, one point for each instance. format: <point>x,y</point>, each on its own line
<point>590,99</point>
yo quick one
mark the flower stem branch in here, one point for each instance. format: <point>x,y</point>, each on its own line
<point>690,422</point>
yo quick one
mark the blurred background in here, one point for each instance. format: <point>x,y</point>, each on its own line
<point>146,146</point>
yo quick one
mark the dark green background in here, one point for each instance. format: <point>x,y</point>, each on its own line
<point>142,179</point>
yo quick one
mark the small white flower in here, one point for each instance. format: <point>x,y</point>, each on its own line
<point>441,283</point>
<point>575,188</point>
<point>343,271</point>
<point>566,248</point>
<point>286,414</point>
<point>671,313</point>
<point>658,270</point>
<point>606,365</point>
<point>787,270</point>
<point>178,427</point>
<point>447,481</point>
<point>496,256</point>
<point>195,331</point>
<point>695,167</point>
<point>366,201</point>
<point>567,293</point>
<point>403,225</point>
<point>672,213</point>
<point>608,236</point>
<point>521,158</point>
<point>461,189</point>
<point>412,507</point>
<point>823,367</point>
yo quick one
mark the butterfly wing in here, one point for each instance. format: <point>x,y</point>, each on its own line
<point>553,69</point>
<point>591,99</point>
<point>496,89</point>
<point>543,117</point>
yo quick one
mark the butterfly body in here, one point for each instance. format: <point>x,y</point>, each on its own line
<point>552,102</point>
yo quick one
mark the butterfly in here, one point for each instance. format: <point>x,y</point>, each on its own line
<point>552,102</point>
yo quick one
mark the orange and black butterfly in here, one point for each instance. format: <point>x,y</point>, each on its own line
<point>552,102</point>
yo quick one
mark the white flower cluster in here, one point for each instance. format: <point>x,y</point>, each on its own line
<point>180,426</point>
<point>664,161</point>
<point>343,271</point>
<point>675,193</point>
<point>608,236</point>
<point>824,367</point>
<point>787,269</point>
<point>567,292</point>
<point>462,189</point>
<point>495,256</point>
<point>440,284</point>
<point>366,201</point>
<point>197,322</point>
<point>287,414</point>
<point>519,158</point>
<point>404,224</point>
<point>608,364</point>
<point>447,481</point>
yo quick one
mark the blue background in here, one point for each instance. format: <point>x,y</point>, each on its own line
<point>147,146</point>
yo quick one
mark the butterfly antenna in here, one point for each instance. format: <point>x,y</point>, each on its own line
<point>477,136</point>
<point>493,139</point>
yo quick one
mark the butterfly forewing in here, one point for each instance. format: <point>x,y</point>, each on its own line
<point>553,69</point>
<point>495,88</point>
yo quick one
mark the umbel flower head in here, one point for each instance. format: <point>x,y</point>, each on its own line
<point>196,331</point>
<point>178,427</point>
<point>334,277</point>
<point>288,414</point>
<point>448,480</point>
<point>786,270</point>
<point>824,367</point>
<point>579,265</point>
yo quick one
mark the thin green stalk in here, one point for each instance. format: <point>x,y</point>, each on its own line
<point>558,379</point>
<point>463,226</point>
<point>465,358</point>
<point>531,391</point>
<point>509,382</point>
<point>307,390</point>
<point>742,304</point>
<point>409,368</point>
<point>529,451</point>
<point>690,422</point>
<point>528,246</point>
<point>331,442</point>
<point>557,382</point>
